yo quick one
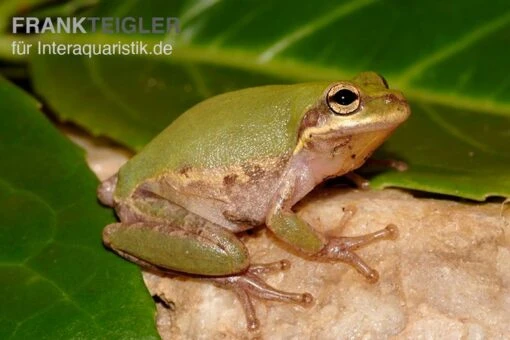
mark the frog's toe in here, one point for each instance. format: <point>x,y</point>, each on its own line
<point>342,249</point>
<point>360,182</point>
<point>249,285</point>
<point>271,267</point>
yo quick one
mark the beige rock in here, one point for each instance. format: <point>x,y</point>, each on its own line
<point>447,276</point>
<point>103,157</point>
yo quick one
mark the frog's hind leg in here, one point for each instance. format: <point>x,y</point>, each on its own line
<point>203,249</point>
<point>206,251</point>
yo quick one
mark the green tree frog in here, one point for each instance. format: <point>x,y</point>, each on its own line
<point>240,160</point>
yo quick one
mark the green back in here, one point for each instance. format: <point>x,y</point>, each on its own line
<point>224,130</point>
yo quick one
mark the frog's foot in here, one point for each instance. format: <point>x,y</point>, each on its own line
<point>349,212</point>
<point>359,181</point>
<point>363,183</point>
<point>249,284</point>
<point>388,163</point>
<point>342,249</point>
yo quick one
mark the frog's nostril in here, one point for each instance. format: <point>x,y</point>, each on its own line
<point>390,98</point>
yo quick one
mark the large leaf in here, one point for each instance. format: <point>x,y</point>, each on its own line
<point>57,281</point>
<point>449,58</point>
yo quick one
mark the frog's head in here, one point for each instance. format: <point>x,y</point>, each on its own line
<point>363,104</point>
<point>352,118</point>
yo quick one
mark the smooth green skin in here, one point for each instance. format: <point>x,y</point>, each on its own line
<point>232,129</point>
<point>231,121</point>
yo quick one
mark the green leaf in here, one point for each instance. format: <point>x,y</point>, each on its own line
<point>10,7</point>
<point>58,281</point>
<point>448,58</point>
<point>465,153</point>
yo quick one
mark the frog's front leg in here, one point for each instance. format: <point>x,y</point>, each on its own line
<point>177,241</point>
<point>292,229</point>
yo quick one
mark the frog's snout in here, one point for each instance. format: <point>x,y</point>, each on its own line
<point>395,97</point>
<point>400,106</point>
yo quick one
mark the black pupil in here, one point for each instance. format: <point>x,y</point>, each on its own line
<point>345,97</point>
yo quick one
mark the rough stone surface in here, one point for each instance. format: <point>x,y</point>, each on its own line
<point>447,276</point>
<point>103,157</point>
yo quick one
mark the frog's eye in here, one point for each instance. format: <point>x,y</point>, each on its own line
<point>343,99</point>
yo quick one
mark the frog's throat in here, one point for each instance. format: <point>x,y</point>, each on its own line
<point>325,134</point>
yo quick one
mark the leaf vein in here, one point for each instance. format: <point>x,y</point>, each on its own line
<point>443,53</point>
<point>107,91</point>
<point>452,130</point>
<point>292,38</point>
<point>64,298</point>
<point>198,79</point>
